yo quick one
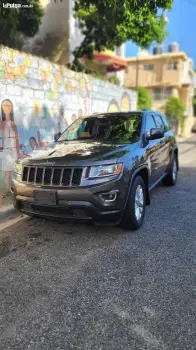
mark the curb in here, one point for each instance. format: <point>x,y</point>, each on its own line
<point>181,139</point>
<point>8,212</point>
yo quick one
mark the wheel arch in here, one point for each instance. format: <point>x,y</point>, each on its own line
<point>176,153</point>
<point>144,173</point>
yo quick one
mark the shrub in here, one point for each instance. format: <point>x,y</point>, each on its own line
<point>114,80</point>
<point>144,100</point>
<point>175,108</point>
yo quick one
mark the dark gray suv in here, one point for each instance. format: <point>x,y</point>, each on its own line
<point>102,168</point>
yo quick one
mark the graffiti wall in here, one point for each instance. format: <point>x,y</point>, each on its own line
<point>39,99</point>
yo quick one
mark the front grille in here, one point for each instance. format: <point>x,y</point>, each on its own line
<point>52,176</point>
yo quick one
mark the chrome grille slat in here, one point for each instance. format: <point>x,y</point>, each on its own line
<point>53,176</point>
<point>61,178</point>
<point>71,177</point>
<point>28,174</point>
<point>35,175</point>
<point>43,176</point>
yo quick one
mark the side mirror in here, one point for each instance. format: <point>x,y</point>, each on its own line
<point>155,133</point>
<point>56,136</point>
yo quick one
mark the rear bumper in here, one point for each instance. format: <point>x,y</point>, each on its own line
<point>81,204</point>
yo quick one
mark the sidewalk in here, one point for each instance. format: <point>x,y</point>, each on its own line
<point>7,210</point>
<point>180,139</point>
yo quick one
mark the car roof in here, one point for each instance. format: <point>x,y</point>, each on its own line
<point>150,110</point>
<point>123,113</point>
<point>113,114</point>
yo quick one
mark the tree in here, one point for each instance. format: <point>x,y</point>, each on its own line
<point>113,79</point>
<point>20,20</point>
<point>175,108</point>
<point>144,100</point>
<point>110,23</point>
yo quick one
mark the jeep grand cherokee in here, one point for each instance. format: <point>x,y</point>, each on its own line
<point>102,168</point>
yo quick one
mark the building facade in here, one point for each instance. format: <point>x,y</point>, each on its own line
<point>164,75</point>
<point>59,35</point>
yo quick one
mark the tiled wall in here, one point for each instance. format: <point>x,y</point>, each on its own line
<point>39,98</point>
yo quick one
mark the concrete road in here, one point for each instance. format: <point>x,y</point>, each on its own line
<point>67,286</point>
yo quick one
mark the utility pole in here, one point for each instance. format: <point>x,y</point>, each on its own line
<point>164,15</point>
<point>137,70</point>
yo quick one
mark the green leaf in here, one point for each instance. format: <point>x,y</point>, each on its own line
<point>144,100</point>
<point>14,22</point>
<point>110,23</point>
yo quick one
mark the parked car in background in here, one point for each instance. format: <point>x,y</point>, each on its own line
<point>101,169</point>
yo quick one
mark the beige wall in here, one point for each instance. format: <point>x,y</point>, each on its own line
<point>171,77</point>
<point>159,75</point>
<point>176,82</point>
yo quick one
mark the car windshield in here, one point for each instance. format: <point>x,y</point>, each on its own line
<point>117,128</point>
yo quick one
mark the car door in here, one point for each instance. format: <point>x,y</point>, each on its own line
<point>168,143</point>
<point>164,143</point>
<point>152,151</point>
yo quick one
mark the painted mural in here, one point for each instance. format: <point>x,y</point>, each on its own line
<point>39,99</point>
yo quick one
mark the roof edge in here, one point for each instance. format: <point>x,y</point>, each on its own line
<point>163,55</point>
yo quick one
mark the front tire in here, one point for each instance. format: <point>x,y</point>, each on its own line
<point>171,177</point>
<point>135,209</point>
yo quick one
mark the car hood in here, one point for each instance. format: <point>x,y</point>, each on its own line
<point>71,152</point>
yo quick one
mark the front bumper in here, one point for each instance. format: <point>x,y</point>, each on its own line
<point>84,204</point>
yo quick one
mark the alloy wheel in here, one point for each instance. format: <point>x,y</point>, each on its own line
<point>174,170</point>
<point>139,202</point>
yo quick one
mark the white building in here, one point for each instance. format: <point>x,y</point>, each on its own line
<point>59,34</point>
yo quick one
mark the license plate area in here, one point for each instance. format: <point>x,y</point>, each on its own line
<point>45,197</point>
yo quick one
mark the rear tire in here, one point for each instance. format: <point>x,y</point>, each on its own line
<point>135,209</point>
<point>171,177</point>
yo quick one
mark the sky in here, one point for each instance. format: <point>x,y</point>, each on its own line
<point>181,28</point>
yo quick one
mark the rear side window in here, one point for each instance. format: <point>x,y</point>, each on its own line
<point>150,122</point>
<point>167,126</point>
<point>159,122</point>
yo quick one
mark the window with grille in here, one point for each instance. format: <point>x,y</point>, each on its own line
<point>160,94</point>
<point>172,66</point>
<point>149,67</point>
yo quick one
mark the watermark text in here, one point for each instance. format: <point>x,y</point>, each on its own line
<point>9,5</point>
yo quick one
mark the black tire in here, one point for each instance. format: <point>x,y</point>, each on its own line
<point>171,178</point>
<point>130,220</point>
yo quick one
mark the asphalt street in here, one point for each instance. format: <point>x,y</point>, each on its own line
<point>72,286</point>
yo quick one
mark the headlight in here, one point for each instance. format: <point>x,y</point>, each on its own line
<point>105,170</point>
<point>18,168</point>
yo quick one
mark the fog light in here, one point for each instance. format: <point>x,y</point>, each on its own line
<point>109,196</point>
